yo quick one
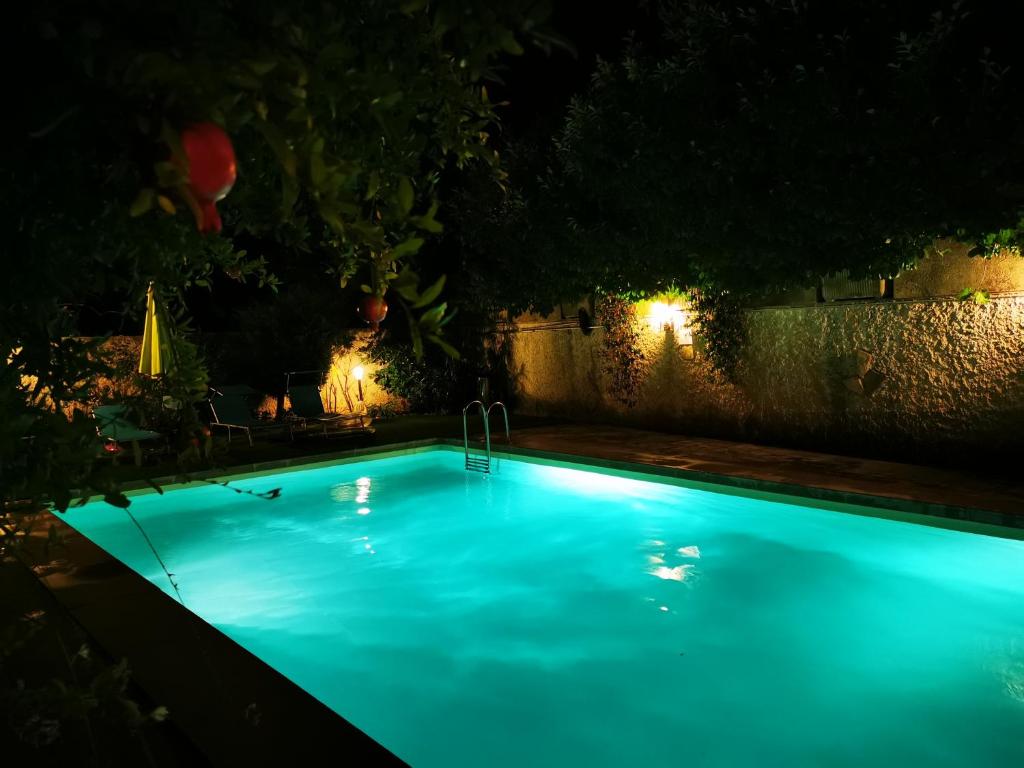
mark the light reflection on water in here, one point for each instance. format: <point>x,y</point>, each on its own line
<point>678,573</point>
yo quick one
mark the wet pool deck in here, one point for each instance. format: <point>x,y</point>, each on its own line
<point>907,487</point>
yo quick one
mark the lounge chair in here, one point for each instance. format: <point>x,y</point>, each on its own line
<point>231,408</point>
<point>308,407</point>
<point>114,425</point>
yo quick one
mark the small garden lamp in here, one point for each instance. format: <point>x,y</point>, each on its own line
<point>359,372</point>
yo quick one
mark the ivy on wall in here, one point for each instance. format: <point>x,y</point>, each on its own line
<point>622,359</point>
<point>722,325</point>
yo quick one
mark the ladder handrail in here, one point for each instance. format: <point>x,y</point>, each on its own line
<point>487,431</point>
<point>485,415</point>
<point>504,410</point>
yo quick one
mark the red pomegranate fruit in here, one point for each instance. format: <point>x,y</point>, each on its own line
<point>212,170</point>
<point>373,310</point>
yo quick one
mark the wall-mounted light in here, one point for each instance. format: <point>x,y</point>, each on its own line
<point>662,315</point>
<point>359,372</point>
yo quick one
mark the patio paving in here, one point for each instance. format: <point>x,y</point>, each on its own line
<point>841,474</point>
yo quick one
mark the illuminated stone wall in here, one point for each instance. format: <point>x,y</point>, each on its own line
<point>915,377</point>
<point>341,391</point>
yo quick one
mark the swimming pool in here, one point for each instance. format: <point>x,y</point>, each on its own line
<point>558,615</point>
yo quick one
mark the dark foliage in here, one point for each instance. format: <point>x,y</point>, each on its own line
<point>295,330</point>
<point>758,146</point>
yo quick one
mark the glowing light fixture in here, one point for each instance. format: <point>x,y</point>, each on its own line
<point>662,315</point>
<point>358,373</point>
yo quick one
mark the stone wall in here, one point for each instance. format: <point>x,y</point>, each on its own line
<point>341,390</point>
<point>914,378</point>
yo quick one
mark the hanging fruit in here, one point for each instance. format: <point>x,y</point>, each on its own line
<point>212,171</point>
<point>373,310</point>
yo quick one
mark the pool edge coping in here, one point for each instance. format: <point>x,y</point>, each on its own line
<point>967,519</point>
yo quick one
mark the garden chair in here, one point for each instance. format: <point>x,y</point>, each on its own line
<point>114,425</point>
<point>231,408</point>
<point>307,406</point>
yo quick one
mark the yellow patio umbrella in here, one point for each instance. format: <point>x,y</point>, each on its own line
<point>150,362</point>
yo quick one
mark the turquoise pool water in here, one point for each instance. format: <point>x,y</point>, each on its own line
<point>547,616</point>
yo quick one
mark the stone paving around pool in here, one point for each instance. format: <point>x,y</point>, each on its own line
<point>912,483</point>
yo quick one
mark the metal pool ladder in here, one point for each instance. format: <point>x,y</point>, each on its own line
<point>479,463</point>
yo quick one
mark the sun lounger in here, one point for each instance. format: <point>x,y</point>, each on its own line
<point>231,409</point>
<point>114,425</point>
<point>308,408</point>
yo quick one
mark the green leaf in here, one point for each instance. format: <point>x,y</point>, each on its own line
<point>417,338</point>
<point>372,185</point>
<point>431,293</point>
<point>427,222</point>
<point>336,52</point>
<point>243,80</point>
<point>407,277</point>
<point>172,139</point>
<point>388,101</point>
<point>150,67</point>
<point>279,145</point>
<point>142,202</point>
<point>447,348</point>
<point>509,43</point>
<point>298,114</point>
<point>262,67</point>
<point>431,319</point>
<point>448,318</point>
<point>371,234</point>
<point>404,195</point>
<point>289,194</point>
<point>406,292</point>
<point>168,174</point>
<point>333,221</point>
<point>365,288</point>
<point>406,283</point>
<point>317,168</point>
<point>407,247</point>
